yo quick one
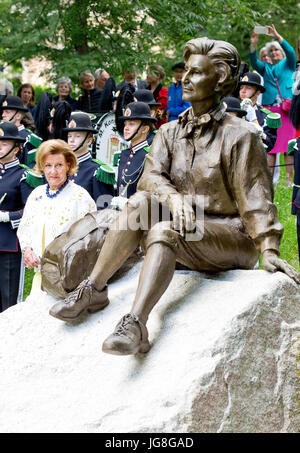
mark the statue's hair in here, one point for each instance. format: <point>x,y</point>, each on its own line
<point>223,55</point>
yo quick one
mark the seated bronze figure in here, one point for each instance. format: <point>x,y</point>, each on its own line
<point>205,157</point>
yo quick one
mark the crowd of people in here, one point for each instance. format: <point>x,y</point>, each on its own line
<point>47,167</point>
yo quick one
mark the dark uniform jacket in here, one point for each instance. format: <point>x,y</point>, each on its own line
<point>151,136</point>
<point>131,167</point>
<point>27,147</point>
<point>13,184</point>
<point>139,85</point>
<point>90,101</point>
<point>87,178</point>
<point>296,192</point>
<point>70,100</point>
<point>271,134</point>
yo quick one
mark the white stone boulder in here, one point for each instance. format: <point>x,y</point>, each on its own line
<point>225,357</point>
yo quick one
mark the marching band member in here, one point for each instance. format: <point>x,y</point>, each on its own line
<point>14,189</point>
<point>251,88</point>
<point>13,111</point>
<point>95,176</point>
<point>138,123</point>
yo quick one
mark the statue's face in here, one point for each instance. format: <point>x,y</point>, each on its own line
<point>200,79</point>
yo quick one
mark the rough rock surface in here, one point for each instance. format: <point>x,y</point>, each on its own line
<point>223,359</point>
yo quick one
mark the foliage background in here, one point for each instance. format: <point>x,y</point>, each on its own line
<point>75,35</point>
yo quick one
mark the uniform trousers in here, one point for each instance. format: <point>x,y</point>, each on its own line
<point>10,265</point>
<point>298,235</point>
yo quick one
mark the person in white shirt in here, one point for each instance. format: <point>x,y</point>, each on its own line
<point>53,207</point>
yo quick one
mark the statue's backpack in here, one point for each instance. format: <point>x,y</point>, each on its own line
<point>70,257</point>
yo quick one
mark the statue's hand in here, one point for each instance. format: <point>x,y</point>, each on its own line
<point>272,263</point>
<point>182,212</point>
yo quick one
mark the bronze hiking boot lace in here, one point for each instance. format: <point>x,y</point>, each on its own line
<point>76,294</point>
<point>129,337</point>
<point>84,297</point>
<point>126,321</point>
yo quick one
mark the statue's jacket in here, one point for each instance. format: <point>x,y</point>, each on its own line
<point>222,159</point>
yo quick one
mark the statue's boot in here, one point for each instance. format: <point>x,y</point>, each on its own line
<point>129,337</point>
<point>84,298</point>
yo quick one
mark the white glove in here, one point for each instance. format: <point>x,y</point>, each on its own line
<point>251,115</point>
<point>4,216</point>
<point>246,104</point>
<point>119,202</point>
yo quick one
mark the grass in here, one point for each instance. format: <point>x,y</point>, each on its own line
<point>282,199</point>
<point>288,246</point>
<point>29,274</point>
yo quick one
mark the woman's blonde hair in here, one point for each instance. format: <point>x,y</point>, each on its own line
<point>55,147</point>
<point>275,44</point>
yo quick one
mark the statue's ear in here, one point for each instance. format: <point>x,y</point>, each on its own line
<point>224,75</point>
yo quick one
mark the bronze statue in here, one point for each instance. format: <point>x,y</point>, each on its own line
<point>206,157</point>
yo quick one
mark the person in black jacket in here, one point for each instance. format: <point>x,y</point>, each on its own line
<point>95,176</point>
<point>64,90</point>
<point>13,110</point>
<point>14,191</point>
<point>130,76</point>
<point>250,88</point>
<point>294,149</point>
<point>101,77</point>
<point>138,123</point>
<point>90,100</point>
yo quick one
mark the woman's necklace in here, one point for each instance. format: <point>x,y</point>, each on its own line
<point>54,194</point>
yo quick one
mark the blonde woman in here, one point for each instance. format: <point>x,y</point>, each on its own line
<point>53,207</point>
<point>278,82</point>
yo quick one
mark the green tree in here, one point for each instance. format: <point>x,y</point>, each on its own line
<point>78,34</point>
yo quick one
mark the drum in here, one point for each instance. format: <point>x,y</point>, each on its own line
<point>108,141</point>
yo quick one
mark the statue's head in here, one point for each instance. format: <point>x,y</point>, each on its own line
<point>212,68</point>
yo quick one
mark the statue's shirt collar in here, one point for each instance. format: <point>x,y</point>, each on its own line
<point>189,122</point>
